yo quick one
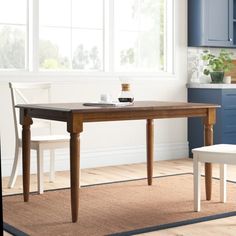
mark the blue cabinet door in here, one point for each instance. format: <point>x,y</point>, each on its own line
<point>229,116</point>
<point>211,23</point>
<point>219,22</point>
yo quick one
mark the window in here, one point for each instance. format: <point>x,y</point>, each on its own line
<point>13,28</point>
<point>74,41</point>
<point>87,36</point>
<point>139,35</point>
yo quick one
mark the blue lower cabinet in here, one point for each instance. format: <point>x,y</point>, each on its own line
<point>225,127</point>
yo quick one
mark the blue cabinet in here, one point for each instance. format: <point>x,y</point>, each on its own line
<point>211,23</point>
<point>225,127</point>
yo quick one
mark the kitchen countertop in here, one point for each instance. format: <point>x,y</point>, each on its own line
<point>211,86</point>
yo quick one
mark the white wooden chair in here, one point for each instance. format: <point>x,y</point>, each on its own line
<point>48,141</point>
<point>220,153</point>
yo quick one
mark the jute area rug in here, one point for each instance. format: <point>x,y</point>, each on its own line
<point>123,208</point>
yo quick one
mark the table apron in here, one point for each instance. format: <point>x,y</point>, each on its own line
<point>142,115</point>
<point>48,115</point>
<point>116,115</point>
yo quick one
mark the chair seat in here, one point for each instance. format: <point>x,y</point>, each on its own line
<point>222,154</point>
<point>49,138</point>
<point>218,148</point>
<point>219,153</point>
<point>48,141</point>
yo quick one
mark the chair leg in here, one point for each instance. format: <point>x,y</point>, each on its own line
<point>14,170</point>
<point>40,170</point>
<point>52,166</point>
<point>197,183</point>
<point>223,174</point>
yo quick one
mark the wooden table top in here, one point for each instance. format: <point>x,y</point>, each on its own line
<point>136,106</point>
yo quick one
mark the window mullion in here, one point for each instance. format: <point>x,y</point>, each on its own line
<point>27,60</point>
<point>169,36</point>
<point>111,36</point>
<point>71,35</point>
<point>105,36</point>
<point>34,36</point>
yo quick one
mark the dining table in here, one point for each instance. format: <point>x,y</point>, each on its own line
<point>76,114</point>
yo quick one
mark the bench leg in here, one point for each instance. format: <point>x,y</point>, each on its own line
<point>197,183</point>
<point>223,173</point>
<point>52,166</point>
<point>40,171</point>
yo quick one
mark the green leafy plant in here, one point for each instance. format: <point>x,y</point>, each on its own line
<point>222,62</point>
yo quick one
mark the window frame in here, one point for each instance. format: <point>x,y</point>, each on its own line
<point>32,47</point>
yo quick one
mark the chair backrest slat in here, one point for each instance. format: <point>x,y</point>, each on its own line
<point>30,85</point>
<point>21,95</point>
<point>19,92</point>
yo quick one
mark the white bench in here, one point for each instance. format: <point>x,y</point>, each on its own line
<point>220,153</point>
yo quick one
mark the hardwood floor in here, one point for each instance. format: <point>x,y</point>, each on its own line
<point>226,226</point>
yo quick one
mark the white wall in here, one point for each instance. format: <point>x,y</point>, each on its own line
<point>111,143</point>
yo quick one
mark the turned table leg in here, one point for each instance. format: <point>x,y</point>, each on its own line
<point>74,174</point>
<point>150,149</point>
<point>26,122</point>
<point>208,140</point>
<point>74,127</point>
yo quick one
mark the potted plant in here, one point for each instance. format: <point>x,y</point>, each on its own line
<point>216,66</point>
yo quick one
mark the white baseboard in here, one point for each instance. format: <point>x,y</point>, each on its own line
<point>105,157</point>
